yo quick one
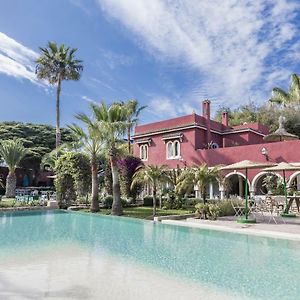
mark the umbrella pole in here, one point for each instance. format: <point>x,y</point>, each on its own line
<point>246,194</point>
<point>246,219</point>
<point>286,210</point>
<point>285,193</point>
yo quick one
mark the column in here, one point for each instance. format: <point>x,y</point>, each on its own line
<point>298,182</point>
<point>222,192</point>
<point>211,190</point>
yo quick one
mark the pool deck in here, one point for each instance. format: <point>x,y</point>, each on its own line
<point>290,230</point>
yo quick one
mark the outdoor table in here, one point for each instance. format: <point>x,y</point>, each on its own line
<point>291,200</point>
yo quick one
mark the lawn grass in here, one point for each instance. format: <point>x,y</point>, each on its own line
<point>142,212</point>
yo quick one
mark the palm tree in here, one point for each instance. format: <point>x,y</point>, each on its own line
<point>291,97</point>
<point>112,121</point>
<point>133,111</point>
<point>199,176</point>
<point>152,175</point>
<point>90,141</point>
<point>55,65</point>
<point>12,152</point>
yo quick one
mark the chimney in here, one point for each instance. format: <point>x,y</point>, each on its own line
<point>206,115</point>
<point>225,118</point>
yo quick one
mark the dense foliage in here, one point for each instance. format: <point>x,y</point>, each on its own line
<point>38,138</point>
<point>127,167</point>
<point>73,179</point>
<point>265,114</point>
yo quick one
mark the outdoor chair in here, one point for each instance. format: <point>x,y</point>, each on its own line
<point>237,207</point>
<point>274,209</point>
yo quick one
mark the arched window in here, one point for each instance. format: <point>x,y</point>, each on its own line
<point>173,149</point>
<point>176,149</point>
<point>170,152</point>
<point>144,152</point>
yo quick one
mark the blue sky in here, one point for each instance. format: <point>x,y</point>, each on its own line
<point>170,55</point>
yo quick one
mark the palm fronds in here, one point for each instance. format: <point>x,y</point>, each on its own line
<point>12,152</point>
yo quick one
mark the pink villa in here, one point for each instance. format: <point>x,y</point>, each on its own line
<point>193,140</point>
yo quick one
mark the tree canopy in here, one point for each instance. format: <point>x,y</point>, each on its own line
<point>265,114</point>
<point>38,138</point>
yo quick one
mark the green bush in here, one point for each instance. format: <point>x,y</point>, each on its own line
<point>226,208</point>
<point>73,177</point>
<point>216,209</point>
<point>148,201</point>
<point>202,210</point>
<point>108,201</point>
<point>172,201</point>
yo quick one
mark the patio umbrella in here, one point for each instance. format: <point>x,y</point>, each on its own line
<point>283,166</point>
<point>246,165</point>
<point>280,134</point>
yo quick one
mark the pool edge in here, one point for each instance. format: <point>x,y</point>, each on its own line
<point>245,231</point>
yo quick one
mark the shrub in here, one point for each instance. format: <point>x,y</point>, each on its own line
<point>148,201</point>
<point>107,201</point>
<point>73,179</point>
<point>202,210</point>
<point>210,211</point>
<point>127,167</point>
<point>172,201</point>
<point>213,211</point>
<point>226,208</point>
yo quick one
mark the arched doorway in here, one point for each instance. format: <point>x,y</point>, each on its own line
<point>294,181</point>
<point>235,185</point>
<point>263,182</point>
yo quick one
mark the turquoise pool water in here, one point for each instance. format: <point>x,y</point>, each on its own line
<point>238,265</point>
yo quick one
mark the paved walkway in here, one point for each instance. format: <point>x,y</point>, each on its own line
<point>288,230</point>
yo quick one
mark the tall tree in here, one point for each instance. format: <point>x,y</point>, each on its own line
<point>291,97</point>
<point>133,111</point>
<point>91,142</point>
<point>12,152</point>
<point>199,176</point>
<point>55,65</point>
<point>152,175</point>
<point>112,121</point>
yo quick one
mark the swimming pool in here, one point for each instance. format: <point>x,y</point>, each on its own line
<point>74,255</point>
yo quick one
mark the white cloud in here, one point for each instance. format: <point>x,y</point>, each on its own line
<point>17,60</point>
<point>234,45</point>
<point>88,99</point>
<point>161,107</point>
<point>114,60</point>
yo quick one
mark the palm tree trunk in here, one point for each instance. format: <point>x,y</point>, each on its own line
<point>95,197</point>
<point>11,182</point>
<point>116,209</point>
<point>129,138</point>
<point>154,200</point>
<point>58,137</point>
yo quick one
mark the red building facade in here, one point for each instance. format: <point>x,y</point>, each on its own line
<point>194,140</point>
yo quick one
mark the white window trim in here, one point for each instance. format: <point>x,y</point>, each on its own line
<point>144,146</point>
<point>173,146</point>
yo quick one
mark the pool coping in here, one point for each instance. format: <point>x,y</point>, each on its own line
<point>246,231</point>
<point>25,208</point>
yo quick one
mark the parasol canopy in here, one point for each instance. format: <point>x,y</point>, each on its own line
<point>284,166</point>
<point>247,164</point>
<point>280,134</point>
